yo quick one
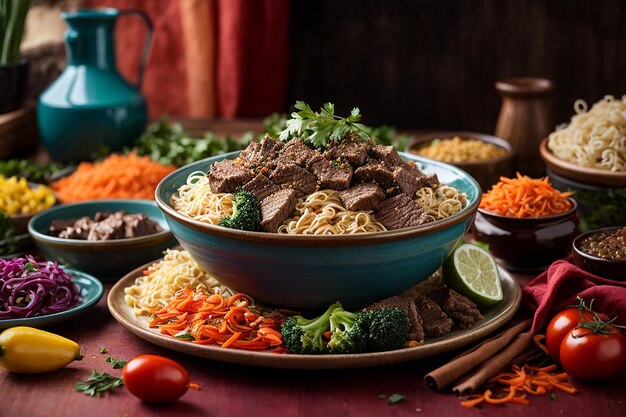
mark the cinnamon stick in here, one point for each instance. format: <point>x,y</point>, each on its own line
<point>461,365</point>
<point>494,365</point>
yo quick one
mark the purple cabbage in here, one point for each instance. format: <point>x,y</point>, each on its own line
<point>29,288</point>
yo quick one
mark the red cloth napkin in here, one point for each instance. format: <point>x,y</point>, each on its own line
<point>562,282</point>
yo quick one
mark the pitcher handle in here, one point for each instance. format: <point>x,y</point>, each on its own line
<point>147,44</point>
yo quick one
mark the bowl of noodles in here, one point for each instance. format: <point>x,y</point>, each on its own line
<point>591,149</point>
<point>322,252</point>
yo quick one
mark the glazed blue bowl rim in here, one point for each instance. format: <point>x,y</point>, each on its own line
<point>550,218</point>
<point>166,233</point>
<point>361,238</point>
<point>577,241</point>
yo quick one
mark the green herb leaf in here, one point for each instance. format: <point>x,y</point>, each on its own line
<point>116,363</point>
<point>29,266</point>
<point>185,336</point>
<point>103,350</point>
<point>98,383</point>
<point>320,129</point>
<point>553,396</point>
<point>396,398</point>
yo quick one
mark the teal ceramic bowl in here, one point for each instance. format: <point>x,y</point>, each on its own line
<point>108,260</point>
<point>314,271</point>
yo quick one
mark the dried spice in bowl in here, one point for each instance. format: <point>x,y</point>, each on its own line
<point>606,244</point>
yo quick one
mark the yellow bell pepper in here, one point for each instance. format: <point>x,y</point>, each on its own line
<point>27,350</point>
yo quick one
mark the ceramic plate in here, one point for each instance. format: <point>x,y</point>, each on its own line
<point>91,291</point>
<point>494,317</point>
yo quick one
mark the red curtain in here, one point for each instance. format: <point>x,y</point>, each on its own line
<point>225,58</point>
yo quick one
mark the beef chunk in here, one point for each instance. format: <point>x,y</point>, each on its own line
<point>362,197</point>
<point>261,186</point>
<point>416,332</point>
<point>72,229</point>
<point>226,177</point>
<point>406,182</point>
<point>387,154</point>
<point>276,208</point>
<point>261,155</point>
<point>458,307</point>
<point>295,177</point>
<point>376,172</point>
<point>109,228</point>
<point>434,321</point>
<point>139,224</point>
<point>333,175</point>
<point>296,152</point>
<point>429,180</point>
<point>423,180</point>
<point>352,149</point>
<point>400,211</point>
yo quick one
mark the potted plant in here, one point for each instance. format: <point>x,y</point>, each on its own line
<point>13,70</point>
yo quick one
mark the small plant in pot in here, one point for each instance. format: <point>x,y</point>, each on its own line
<point>13,70</point>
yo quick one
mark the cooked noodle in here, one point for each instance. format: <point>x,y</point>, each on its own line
<point>320,213</point>
<point>176,271</point>
<point>196,200</point>
<point>594,138</point>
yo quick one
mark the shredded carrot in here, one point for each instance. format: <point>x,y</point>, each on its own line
<point>118,176</point>
<point>210,319</point>
<point>194,386</point>
<point>513,385</point>
<point>538,339</point>
<point>523,196</point>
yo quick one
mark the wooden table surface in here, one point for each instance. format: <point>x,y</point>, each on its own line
<point>236,390</point>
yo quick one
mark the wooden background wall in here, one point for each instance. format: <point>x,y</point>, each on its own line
<point>433,63</point>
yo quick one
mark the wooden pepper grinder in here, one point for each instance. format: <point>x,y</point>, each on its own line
<point>525,119</point>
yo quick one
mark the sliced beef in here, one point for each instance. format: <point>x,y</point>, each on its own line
<point>226,176</point>
<point>261,186</point>
<point>332,174</point>
<point>276,208</point>
<point>366,196</point>
<point>423,180</point>
<point>261,156</point>
<point>105,226</point>
<point>387,154</point>
<point>458,307</point>
<point>406,182</point>
<point>399,212</point>
<point>376,172</point>
<point>406,304</point>
<point>352,149</point>
<point>296,152</point>
<point>429,180</point>
<point>295,177</point>
<point>434,321</point>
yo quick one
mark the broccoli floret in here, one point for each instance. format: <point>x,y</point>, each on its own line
<point>246,213</point>
<point>349,331</point>
<point>305,336</point>
<point>387,329</point>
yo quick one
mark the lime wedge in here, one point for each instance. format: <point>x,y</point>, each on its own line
<point>472,271</point>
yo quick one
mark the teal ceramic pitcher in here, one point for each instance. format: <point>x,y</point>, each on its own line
<point>90,106</point>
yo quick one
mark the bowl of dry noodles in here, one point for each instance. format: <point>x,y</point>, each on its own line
<point>591,149</point>
<point>352,238</point>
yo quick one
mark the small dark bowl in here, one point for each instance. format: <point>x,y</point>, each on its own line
<point>107,260</point>
<point>487,172</point>
<point>527,244</point>
<point>598,266</point>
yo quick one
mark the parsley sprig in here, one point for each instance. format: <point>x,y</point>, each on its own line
<point>98,383</point>
<point>323,127</point>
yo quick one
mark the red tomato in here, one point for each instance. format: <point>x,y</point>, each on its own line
<point>593,357</point>
<point>560,326</point>
<point>155,379</point>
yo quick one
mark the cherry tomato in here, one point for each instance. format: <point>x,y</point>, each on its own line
<point>560,326</point>
<point>155,379</point>
<point>590,356</point>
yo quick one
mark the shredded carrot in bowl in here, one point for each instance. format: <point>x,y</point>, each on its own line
<point>524,197</point>
<point>118,176</point>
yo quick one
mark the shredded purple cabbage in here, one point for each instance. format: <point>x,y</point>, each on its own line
<point>29,288</point>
